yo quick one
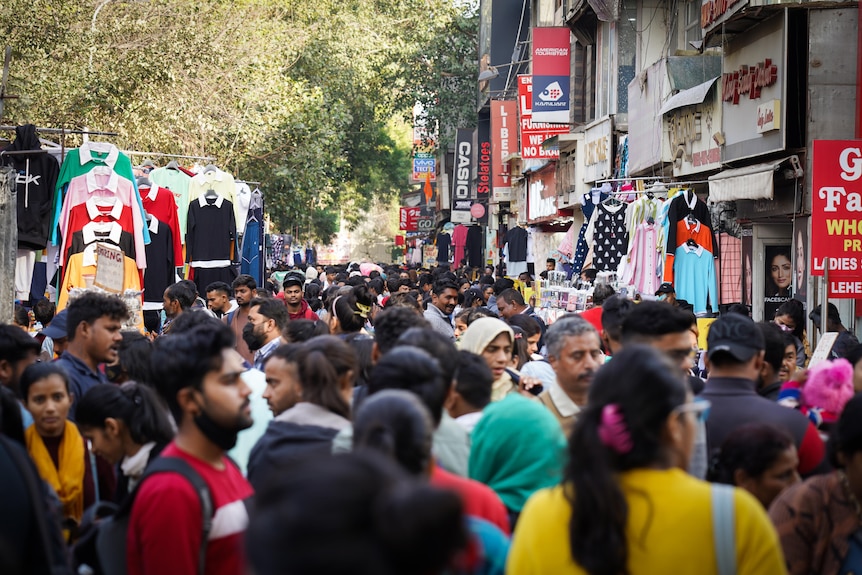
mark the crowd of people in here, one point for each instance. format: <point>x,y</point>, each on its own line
<point>361,419</point>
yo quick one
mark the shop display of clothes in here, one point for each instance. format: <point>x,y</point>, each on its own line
<point>459,242</point>
<point>161,265</point>
<point>172,178</point>
<point>515,244</point>
<point>210,233</point>
<point>475,248</point>
<point>443,243</point>
<point>644,259</point>
<point>97,200</point>
<point>252,239</point>
<point>588,205</point>
<point>35,180</point>
<point>160,203</point>
<point>608,235</point>
<point>685,204</point>
<point>696,283</point>
<point>223,184</point>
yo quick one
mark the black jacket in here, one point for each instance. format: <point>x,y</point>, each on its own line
<point>284,444</point>
<point>37,178</point>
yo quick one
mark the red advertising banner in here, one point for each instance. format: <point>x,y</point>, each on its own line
<point>534,133</point>
<point>504,119</point>
<point>836,214</point>
<point>551,68</point>
<point>407,221</point>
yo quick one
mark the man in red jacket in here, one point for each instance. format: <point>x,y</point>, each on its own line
<point>297,307</point>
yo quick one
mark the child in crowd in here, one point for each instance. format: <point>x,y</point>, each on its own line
<point>825,393</point>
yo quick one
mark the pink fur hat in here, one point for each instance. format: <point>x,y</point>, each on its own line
<point>829,385</point>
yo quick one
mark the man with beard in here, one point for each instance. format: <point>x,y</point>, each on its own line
<point>297,307</point>
<point>198,373</point>
<point>575,353</point>
<point>218,299</point>
<point>93,327</point>
<point>267,321</point>
<point>244,288</point>
<point>178,298</point>
<point>444,297</point>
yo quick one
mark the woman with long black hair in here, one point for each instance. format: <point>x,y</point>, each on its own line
<point>127,426</point>
<point>626,505</point>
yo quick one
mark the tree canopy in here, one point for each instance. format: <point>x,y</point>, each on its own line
<point>310,97</point>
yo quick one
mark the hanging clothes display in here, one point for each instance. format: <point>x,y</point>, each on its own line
<point>81,161</point>
<point>474,247</point>
<point>684,204</point>
<point>252,238</point>
<point>159,202</point>
<point>211,229</point>
<point>102,188</point>
<point>516,251</point>
<point>694,272</point>
<point>161,265</point>
<point>644,260</point>
<point>443,243</point>
<point>608,235</point>
<point>36,178</point>
<point>588,205</point>
<point>97,200</point>
<point>459,242</point>
<point>172,178</point>
<point>223,184</point>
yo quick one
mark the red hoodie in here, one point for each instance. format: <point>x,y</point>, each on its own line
<point>303,313</point>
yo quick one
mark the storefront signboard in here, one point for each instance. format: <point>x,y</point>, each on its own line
<point>753,85</point>
<point>551,66</point>
<point>836,214</point>
<point>504,141</point>
<point>689,131</point>
<point>534,133</point>
<point>598,153</point>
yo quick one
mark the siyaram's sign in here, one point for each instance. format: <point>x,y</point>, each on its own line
<point>748,81</point>
<point>712,10</point>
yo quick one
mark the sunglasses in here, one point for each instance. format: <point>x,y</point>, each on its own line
<point>699,407</point>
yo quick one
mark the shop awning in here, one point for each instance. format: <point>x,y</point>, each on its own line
<point>748,183</point>
<point>689,97</point>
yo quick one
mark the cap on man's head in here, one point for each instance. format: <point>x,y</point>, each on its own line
<point>666,287</point>
<point>735,334</point>
<point>293,279</point>
<point>57,328</point>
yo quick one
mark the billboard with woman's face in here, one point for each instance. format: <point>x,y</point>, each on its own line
<point>800,257</point>
<point>778,279</point>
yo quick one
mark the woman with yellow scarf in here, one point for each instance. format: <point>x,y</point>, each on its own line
<point>54,443</point>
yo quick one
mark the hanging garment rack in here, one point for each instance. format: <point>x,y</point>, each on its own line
<point>161,155</point>
<point>62,131</point>
<point>248,182</point>
<point>654,180</point>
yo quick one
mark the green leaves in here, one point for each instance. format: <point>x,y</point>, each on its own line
<point>307,96</point>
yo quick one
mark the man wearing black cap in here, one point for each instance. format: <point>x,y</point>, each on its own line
<point>735,358</point>
<point>297,307</point>
<point>666,293</point>
<point>845,340</point>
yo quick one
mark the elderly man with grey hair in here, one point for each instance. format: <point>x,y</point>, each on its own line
<point>575,353</point>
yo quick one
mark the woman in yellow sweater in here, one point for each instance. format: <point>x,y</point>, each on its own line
<point>640,513</point>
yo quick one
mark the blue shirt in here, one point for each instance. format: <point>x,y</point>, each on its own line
<point>81,378</point>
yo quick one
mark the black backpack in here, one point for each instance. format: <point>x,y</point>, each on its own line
<point>110,532</point>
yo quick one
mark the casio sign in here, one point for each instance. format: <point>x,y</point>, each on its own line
<point>462,170</point>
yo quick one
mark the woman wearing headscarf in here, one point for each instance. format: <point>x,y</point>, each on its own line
<point>493,339</point>
<point>513,462</point>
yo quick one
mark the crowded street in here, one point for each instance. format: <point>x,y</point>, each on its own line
<point>430,287</point>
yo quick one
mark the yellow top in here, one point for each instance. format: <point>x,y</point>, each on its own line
<point>669,530</point>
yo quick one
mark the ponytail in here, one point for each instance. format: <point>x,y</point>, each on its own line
<point>134,404</point>
<point>621,429</point>
<point>323,362</point>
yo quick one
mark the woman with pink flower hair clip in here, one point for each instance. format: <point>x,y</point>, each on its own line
<point>626,504</point>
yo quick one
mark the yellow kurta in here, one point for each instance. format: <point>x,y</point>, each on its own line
<point>670,518</point>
